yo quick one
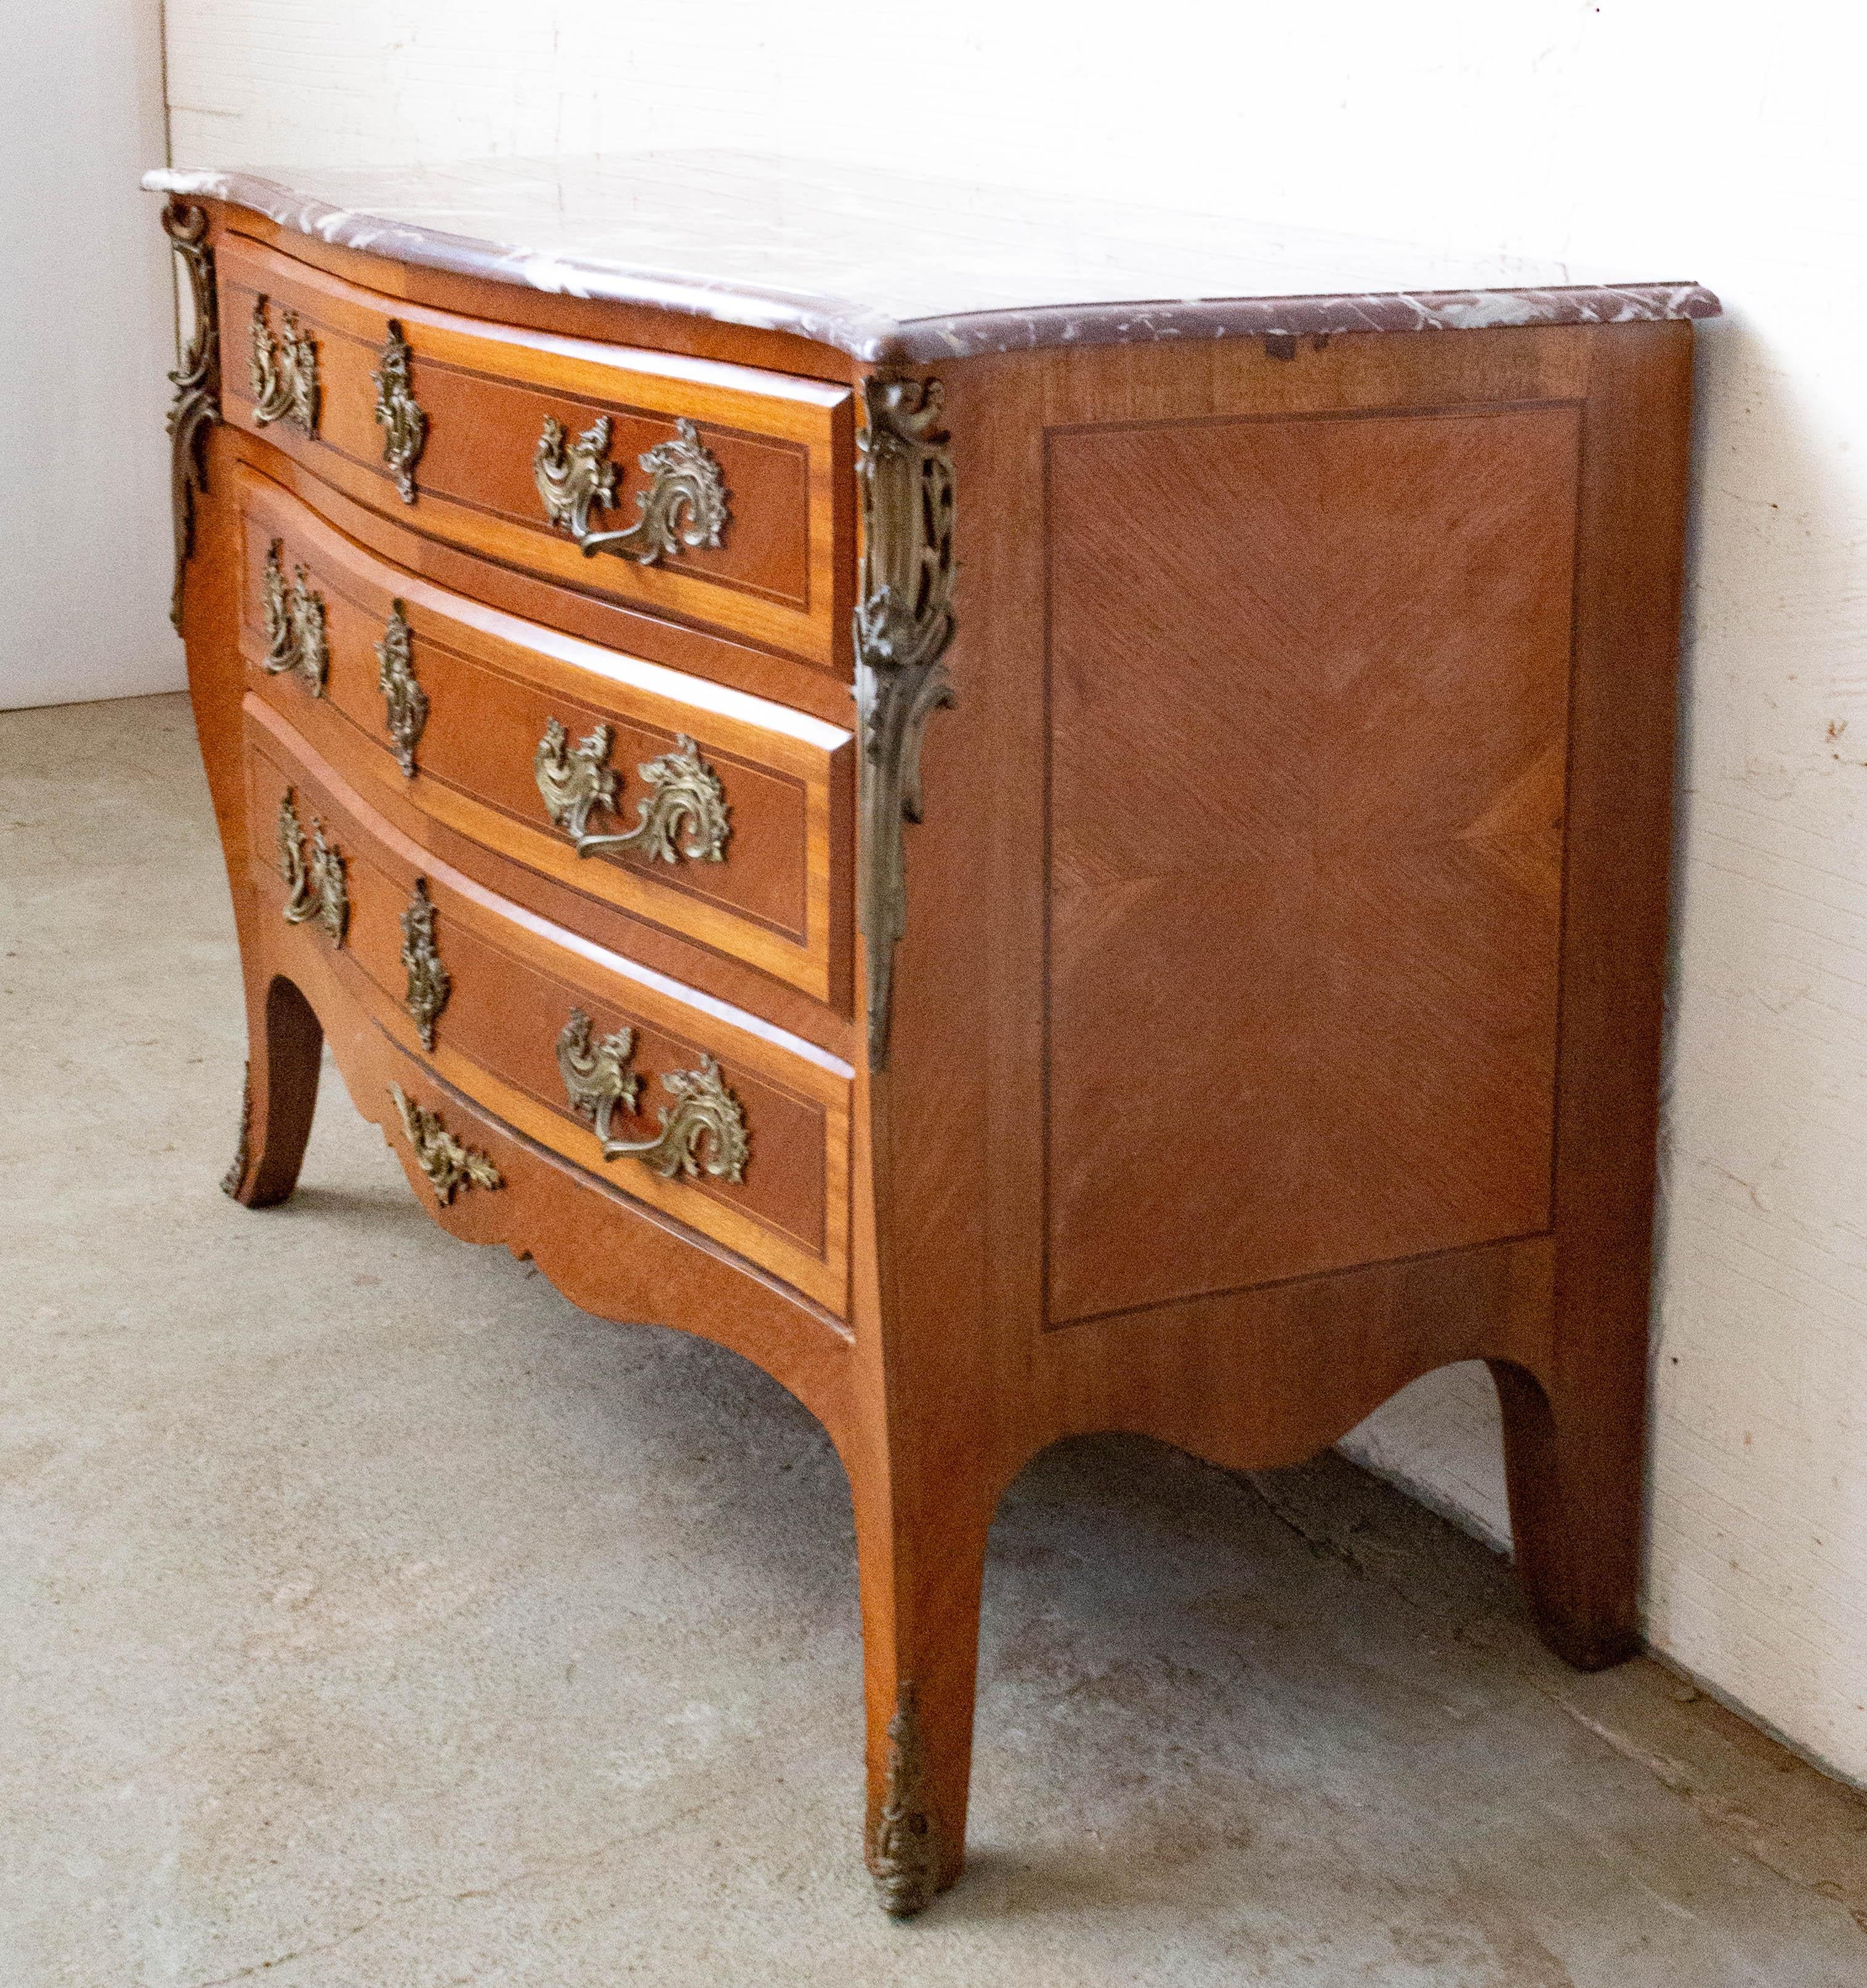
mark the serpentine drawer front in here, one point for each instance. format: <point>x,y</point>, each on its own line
<point>704,811</point>
<point>715,493</point>
<point>756,1154</point>
<point>1033,859</point>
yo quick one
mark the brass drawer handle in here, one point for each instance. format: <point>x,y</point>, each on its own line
<point>284,372</point>
<point>596,1079</point>
<point>682,788</point>
<point>406,701</point>
<point>448,1164</point>
<point>297,643</point>
<point>400,416</point>
<point>684,478</point>
<point>313,872</point>
<point>429,982</point>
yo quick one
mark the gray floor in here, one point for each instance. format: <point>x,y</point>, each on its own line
<point>372,1617</point>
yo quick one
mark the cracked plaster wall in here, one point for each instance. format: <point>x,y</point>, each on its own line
<point>86,313</point>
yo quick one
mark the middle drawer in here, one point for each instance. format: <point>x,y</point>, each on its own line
<point>706,810</point>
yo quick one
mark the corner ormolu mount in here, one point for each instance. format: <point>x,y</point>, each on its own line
<point>904,1847</point>
<point>196,379</point>
<point>903,622</point>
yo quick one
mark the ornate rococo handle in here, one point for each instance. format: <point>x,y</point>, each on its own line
<point>448,1165</point>
<point>284,372</point>
<point>574,782</point>
<point>705,1115</point>
<point>405,702</point>
<point>314,871</point>
<point>297,644</point>
<point>430,984</point>
<point>903,622</point>
<point>684,479</point>
<point>197,380</point>
<point>398,414</point>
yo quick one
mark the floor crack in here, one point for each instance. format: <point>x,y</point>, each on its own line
<point>547,1867</point>
<point>1733,1824</point>
<point>304,1952</point>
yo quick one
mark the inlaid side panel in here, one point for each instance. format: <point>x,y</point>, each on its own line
<point>1308,745</point>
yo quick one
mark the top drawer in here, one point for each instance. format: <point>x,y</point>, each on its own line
<point>725,493</point>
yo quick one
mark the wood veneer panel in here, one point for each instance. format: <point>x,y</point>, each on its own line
<point>493,684</point>
<point>783,443</point>
<point>1308,752</point>
<point>555,603</point>
<point>514,982</point>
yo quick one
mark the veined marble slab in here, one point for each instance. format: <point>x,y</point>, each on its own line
<point>885,267</point>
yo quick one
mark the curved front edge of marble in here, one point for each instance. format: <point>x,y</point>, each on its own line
<point>824,320</point>
<point>875,337</point>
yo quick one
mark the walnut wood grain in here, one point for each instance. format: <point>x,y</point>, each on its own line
<point>568,607</point>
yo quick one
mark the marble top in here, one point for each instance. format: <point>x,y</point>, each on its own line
<point>886,267</point>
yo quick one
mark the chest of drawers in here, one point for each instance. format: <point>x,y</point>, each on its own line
<point>1034,864</point>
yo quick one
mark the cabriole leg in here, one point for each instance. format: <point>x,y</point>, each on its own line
<point>282,1092</point>
<point>1573,1460</point>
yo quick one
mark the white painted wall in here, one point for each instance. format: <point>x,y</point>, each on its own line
<point>86,325</point>
<point>1676,137</point>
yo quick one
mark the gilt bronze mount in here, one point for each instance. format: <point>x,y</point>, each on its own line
<point>683,789</point>
<point>398,414</point>
<point>405,702</point>
<point>903,622</point>
<point>297,643</point>
<point>703,1130</point>
<point>235,1178</point>
<point>196,381</point>
<point>904,1847</point>
<point>448,1165</point>
<point>430,983</point>
<point>284,372</point>
<point>316,888</point>
<point>684,508</point>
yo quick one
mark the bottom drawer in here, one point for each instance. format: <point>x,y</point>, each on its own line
<point>724,1122</point>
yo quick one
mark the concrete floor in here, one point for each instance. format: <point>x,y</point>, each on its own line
<point>373,1619</point>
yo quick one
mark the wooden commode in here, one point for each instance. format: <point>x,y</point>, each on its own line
<point>1033,859</point>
